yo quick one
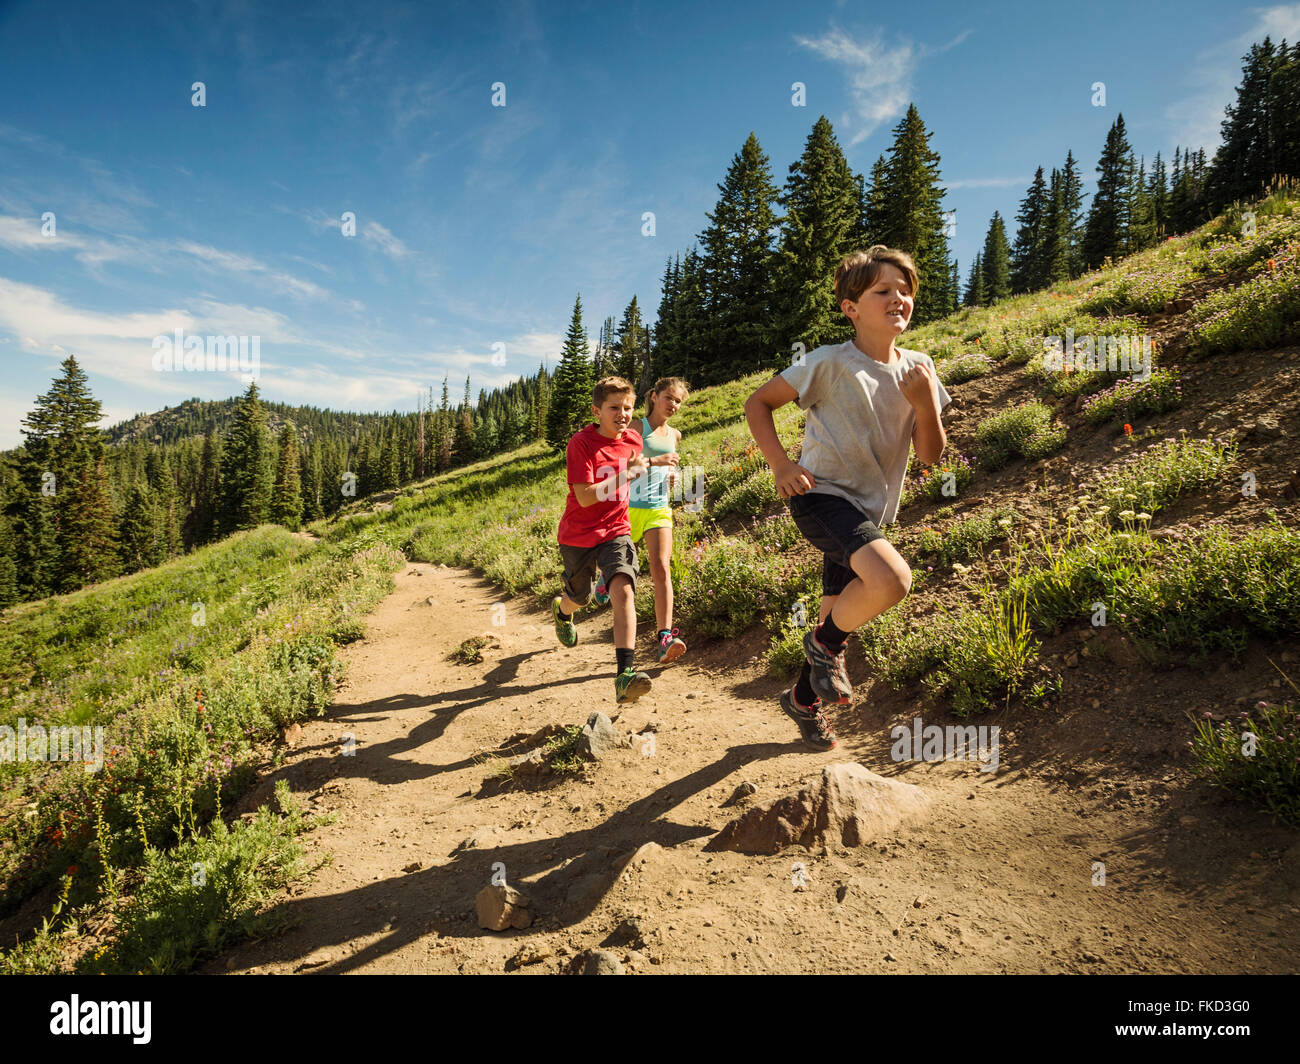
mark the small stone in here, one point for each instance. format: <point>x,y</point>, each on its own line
<point>291,734</point>
<point>1072,659</point>
<point>637,959</point>
<point>920,901</point>
<point>890,957</point>
<point>414,866</point>
<point>743,791</point>
<point>841,892</point>
<point>602,962</point>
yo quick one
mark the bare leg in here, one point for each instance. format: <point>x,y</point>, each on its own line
<point>659,546</point>
<point>883,580</point>
<point>623,601</point>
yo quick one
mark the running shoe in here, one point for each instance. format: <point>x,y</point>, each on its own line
<point>565,631</point>
<point>630,685</point>
<point>670,647</point>
<point>813,725</point>
<point>830,678</point>
<point>602,593</point>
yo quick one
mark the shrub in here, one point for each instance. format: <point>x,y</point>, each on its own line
<point>752,497</point>
<point>963,368</point>
<point>953,473</point>
<point>1263,313</point>
<point>1026,430</point>
<point>1264,769</point>
<point>967,539</point>
<point>1128,400</point>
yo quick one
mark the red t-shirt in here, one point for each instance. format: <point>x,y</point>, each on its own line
<point>592,458</point>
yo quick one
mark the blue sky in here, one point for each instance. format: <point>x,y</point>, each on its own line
<point>477,225</point>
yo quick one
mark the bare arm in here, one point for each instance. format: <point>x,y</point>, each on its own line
<point>604,490</point>
<point>791,478</point>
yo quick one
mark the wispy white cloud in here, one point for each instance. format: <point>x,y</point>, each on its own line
<point>880,76</point>
<point>388,244</point>
<point>1195,118</point>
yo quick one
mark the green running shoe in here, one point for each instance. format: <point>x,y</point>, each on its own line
<point>565,631</point>
<point>630,685</point>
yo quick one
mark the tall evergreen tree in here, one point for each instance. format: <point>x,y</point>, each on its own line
<point>975,284</point>
<point>1284,110</point>
<point>1158,193</point>
<point>996,261</point>
<point>629,345</point>
<point>821,207</point>
<point>738,268</point>
<point>1142,219</point>
<point>286,496</point>
<point>138,530</point>
<point>1072,214</point>
<point>906,212</point>
<point>246,471</point>
<point>1106,234</point>
<point>571,386</point>
<point>62,440</point>
<point>1028,256</point>
<point>311,483</point>
<point>1245,163</point>
<point>1056,235</point>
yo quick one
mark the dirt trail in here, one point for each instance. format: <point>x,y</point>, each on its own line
<point>999,879</point>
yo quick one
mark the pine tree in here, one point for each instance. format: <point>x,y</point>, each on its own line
<point>1028,261</point>
<point>10,591</point>
<point>541,412</point>
<point>996,262</point>
<point>821,204</point>
<point>1245,163</point>
<point>445,430</point>
<point>737,265</point>
<point>311,483</point>
<point>89,549</point>
<point>664,353</point>
<point>874,210</point>
<point>1142,223</point>
<point>954,289</point>
<point>571,386</point>
<point>689,324</point>
<point>62,440</point>
<point>1072,214</point>
<point>1158,193</point>
<point>629,345</point>
<point>1056,235</point>
<point>286,497</point>
<point>906,212</point>
<point>138,530</point>
<point>1284,110</point>
<point>1106,234</point>
<point>246,471</point>
<point>975,284</point>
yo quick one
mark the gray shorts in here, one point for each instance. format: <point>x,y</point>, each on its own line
<point>614,556</point>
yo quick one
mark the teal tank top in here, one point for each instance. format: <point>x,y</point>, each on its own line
<point>651,491</point>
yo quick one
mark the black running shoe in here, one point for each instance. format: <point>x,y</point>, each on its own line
<point>813,725</point>
<point>830,678</point>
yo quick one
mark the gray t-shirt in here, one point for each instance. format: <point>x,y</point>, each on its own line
<point>859,430</point>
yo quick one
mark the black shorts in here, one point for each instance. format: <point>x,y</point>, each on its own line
<point>614,556</point>
<point>838,529</point>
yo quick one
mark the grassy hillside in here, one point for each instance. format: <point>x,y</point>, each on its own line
<point>1162,512</point>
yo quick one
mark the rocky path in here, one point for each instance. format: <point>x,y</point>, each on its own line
<point>1001,877</point>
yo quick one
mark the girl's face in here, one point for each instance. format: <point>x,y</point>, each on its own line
<point>667,401</point>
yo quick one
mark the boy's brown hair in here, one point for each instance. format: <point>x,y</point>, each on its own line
<point>859,271</point>
<point>607,386</point>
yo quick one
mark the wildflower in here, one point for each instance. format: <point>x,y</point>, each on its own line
<point>1005,522</point>
<point>1126,514</point>
<point>1142,517</point>
<point>1072,510</point>
<point>1128,429</point>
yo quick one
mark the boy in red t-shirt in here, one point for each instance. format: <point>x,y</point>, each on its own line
<point>595,532</point>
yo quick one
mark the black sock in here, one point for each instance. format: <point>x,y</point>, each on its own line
<point>564,616</point>
<point>803,691</point>
<point>830,636</point>
<point>625,657</point>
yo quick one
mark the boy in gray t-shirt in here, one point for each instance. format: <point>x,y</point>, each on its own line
<point>869,402</point>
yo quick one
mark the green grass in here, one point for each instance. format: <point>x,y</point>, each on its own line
<point>1255,756</point>
<point>1026,431</point>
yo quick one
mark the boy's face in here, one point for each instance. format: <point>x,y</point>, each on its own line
<point>614,414</point>
<point>885,306</point>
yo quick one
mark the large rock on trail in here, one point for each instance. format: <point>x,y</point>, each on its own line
<point>500,906</point>
<point>599,737</point>
<point>848,806</point>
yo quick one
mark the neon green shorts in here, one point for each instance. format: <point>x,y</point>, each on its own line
<point>643,519</point>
